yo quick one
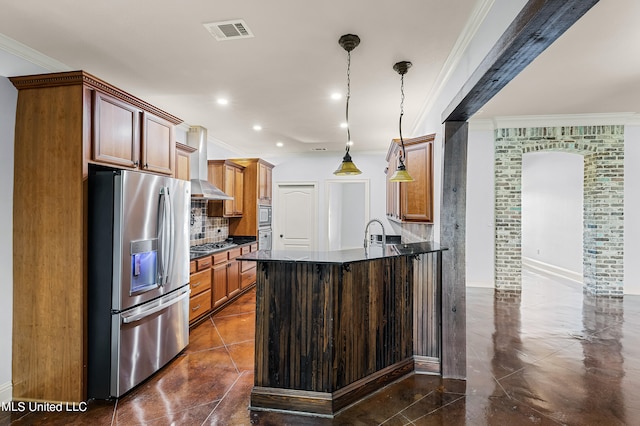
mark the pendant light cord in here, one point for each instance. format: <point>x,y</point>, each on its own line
<point>402,158</point>
<point>348,97</point>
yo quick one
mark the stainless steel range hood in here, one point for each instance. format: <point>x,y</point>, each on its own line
<point>201,188</point>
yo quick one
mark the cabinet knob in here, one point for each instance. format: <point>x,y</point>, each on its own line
<point>146,165</point>
<point>135,164</point>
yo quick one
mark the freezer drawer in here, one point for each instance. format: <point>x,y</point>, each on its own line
<point>147,337</point>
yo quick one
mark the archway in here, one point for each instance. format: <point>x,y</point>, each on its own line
<point>603,218</point>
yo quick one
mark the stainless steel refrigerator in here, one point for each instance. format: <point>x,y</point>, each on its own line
<point>138,277</point>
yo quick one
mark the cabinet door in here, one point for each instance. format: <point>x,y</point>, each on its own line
<point>416,197</point>
<point>182,167</point>
<point>238,192</point>
<point>264,184</point>
<point>229,188</point>
<point>219,284</point>
<point>116,132</point>
<point>233,278</point>
<point>158,145</point>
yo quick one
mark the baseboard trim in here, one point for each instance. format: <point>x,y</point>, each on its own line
<point>326,404</point>
<point>552,269</point>
<point>481,284</point>
<point>6,392</point>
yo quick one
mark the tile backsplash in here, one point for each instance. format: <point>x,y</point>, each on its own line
<point>205,229</point>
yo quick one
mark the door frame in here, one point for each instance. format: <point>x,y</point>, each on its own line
<point>276,206</point>
<point>367,196</point>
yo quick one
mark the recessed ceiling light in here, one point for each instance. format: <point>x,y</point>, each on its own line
<point>222,101</point>
<point>336,96</point>
<point>257,127</point>
<point>279,144</point>
<point>343,125</point>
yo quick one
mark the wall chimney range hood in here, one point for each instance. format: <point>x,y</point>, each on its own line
<point>201,188</point>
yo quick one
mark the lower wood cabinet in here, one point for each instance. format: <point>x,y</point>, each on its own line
<point>248,269</point>
<point>233,273</point>
<point>199,305</point>
<point>217,279</point>
<point>200,284</point>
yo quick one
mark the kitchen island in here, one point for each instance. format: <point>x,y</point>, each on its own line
<point>333,327</point>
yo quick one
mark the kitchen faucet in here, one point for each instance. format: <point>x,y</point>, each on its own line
<point>384,235</point>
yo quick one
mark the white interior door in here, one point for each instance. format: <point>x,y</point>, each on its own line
<point>296,217</point>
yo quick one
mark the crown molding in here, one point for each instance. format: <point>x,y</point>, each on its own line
<point>20,50</point>
<point>457,52</point>
<point>559,120</point>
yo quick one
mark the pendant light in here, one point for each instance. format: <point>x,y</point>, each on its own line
<point>346,168</point>
<point>401,174</point>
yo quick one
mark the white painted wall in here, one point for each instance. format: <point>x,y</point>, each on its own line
<point>480,199</point>
<point>319,167</point>
<point>8,97</point>
<point>491,18</point>
<point>552,209</point>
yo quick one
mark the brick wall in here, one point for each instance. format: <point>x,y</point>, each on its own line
<point>603,218</point>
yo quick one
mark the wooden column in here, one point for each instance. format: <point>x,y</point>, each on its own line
<point>452,236</point>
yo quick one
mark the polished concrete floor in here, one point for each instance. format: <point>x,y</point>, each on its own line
<point>547,356</point>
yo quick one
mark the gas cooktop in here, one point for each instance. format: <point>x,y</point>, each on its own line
<point>211,247</point>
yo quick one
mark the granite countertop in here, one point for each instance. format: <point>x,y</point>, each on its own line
<point>343,256</point>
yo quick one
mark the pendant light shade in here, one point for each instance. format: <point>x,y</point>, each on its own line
<point>348,42</point>
<point>401,174</point>
<point>347,167</point>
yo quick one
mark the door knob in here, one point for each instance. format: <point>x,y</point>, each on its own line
<point>281,235</point>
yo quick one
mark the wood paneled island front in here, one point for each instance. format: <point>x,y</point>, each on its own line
<point>333,327</point>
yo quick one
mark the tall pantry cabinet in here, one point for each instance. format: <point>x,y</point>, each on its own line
<point>65,121</point>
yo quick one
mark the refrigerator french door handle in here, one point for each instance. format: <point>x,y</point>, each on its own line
<point>160,307</point>
<point>172,237</point>
<point>164,242</point>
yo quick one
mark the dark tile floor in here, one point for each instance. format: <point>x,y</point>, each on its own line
<point>547,356</point>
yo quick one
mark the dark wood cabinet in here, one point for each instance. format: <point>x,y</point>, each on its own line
<point>411,201</point>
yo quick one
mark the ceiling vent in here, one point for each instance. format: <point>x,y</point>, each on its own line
<point>318,149</point>
<point>229,30</point>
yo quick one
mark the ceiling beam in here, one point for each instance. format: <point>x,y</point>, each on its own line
<point>539,23</point>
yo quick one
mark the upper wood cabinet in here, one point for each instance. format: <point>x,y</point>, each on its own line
<point>229,177</point>
<point>158,147</point>
<point>64,121</point>
<point>257,190</point>
<point>126,136</point>
<point>411,201</point>
<point>183,161</point>
<point>116,131</point>
<point>264,183</point>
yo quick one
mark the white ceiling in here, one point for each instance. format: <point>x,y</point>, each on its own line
<point>282,79</point>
